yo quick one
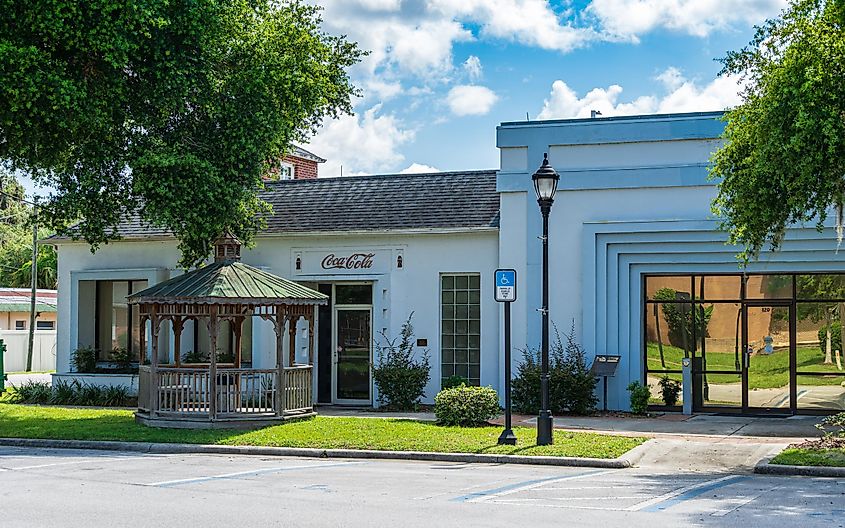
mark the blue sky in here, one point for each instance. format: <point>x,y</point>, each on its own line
<point>443,73</point>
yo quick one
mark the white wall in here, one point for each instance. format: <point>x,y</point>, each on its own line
<point>396,292</point>
<point>17,345</point>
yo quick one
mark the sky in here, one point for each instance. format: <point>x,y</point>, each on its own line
<point>442,74</point>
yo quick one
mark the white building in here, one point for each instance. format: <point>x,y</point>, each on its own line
<point>637,262</point>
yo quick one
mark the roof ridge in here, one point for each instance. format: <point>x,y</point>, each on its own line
<point>358,177</point>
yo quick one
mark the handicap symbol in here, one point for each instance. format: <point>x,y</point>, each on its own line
<point>504,280</point>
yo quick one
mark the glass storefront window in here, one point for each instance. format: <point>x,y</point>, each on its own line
<point>118,324</point>
<point>718,337</point>
<point>669,336</point>
<point>663,288</point>
<point>821,392</point>
<point>720,288</point>
<point>768,287</point>
<point>719,390</point>
<point>353,294</point>
<point>820,286</point>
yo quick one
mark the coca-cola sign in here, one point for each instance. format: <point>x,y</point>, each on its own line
<point>355,261</point>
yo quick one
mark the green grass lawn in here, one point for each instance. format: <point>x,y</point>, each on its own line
<point>766,372</point>
<point>26,421</point>
<point>811,457</point>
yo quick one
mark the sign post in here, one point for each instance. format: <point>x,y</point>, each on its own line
<point>505,290</point>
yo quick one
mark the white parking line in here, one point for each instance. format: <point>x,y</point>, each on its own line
<point>71,462</point>
<point>681,491</point>
<point>493,495</point>
<point>195,480</point>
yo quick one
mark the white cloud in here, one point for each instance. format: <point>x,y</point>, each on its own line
<point>682,95</point>
<point>418,168</point>
<point>472,67</point>
<point>627,19</point>
<point>469,99</point>
<point>360,143</point>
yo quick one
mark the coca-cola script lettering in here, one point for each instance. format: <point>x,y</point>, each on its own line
<point>351,262</point>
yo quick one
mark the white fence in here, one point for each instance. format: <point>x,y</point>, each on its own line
<point>43,350</point>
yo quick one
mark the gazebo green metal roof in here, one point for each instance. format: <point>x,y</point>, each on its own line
<point>228,281</point>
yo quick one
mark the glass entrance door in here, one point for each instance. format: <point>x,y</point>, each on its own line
<point>768,358</point>
<point>352,355</point>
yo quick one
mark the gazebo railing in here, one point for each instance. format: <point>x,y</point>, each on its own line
<point>240,392</point>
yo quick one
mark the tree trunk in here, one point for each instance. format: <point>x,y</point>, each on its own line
<point>659,337</point>
<point>828,356</point>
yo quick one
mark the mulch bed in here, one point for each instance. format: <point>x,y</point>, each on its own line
<point>821,443</point>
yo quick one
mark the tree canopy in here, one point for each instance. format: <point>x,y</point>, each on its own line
<point>783,160</point>
<point>171,110</point>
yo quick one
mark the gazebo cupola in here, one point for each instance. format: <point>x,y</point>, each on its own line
<point>227,247</point>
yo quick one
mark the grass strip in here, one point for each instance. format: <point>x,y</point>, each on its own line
<point>62,423</point>
<point>811,457</point>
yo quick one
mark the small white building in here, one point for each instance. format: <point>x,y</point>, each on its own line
<point>382,247</point>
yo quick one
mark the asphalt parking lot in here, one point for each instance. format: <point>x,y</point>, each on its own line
<point>44,487</point>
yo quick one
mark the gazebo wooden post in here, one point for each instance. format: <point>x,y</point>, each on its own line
<point>293,322</point>
<point>279,325</point>
<point>212,369</point>
<point>310,319</point>
<point>178,323</point>
<point>154,381</point>
<point>142,353</point>
<point>238,323</point>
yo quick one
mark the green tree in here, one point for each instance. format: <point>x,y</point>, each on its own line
<point>783,160</point>
<point>16,240</point>
<point>169,110</point>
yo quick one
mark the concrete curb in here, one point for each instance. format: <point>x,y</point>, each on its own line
<point>622,462</point>
<point>765,467</point>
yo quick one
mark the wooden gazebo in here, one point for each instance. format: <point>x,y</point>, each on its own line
<point>216,394</point>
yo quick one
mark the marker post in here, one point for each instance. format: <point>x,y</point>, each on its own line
<point>505,290</point>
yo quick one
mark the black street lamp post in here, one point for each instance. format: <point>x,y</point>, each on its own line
<point>545,185</point>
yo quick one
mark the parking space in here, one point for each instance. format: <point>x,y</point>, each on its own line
<point>40,487</point>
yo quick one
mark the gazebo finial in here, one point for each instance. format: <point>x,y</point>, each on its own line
<point>227,247</point>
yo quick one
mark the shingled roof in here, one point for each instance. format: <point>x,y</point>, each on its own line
<point>385,202</point>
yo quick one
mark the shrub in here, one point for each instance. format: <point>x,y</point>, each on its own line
<point>525,386</point>
<point>669,390</point>
<point>84,360</point>
<point>466,406</point>
<point>34,392</point>
<point>400,377</point>
<point>832,426</point>
<point>835,337</point>
<point>571,384</point>
<point>122,358</point>
<point>640,394</point>
<point>69,393</point>
<point>453,381</point>
<point>191,356</point>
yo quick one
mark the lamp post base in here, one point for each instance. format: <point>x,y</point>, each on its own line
<point>507,437</point>
<point>545,426</point>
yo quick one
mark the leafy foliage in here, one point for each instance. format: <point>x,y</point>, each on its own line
<point>453,381</point>
<point>466,406</point>
<point>84,360</point>
<point>169,110</point>
<point>640,395</point>
<point>571,385</point>
<point>16,240</point>
<point>832,426</point>
<point>783,158</point>
<point>70,393</point>
<point>400,376</point>
<point>685,322</point>
<point>835,337</point>
<point>669,390</point>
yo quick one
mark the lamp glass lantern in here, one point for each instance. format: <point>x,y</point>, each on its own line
<point>545,181</point>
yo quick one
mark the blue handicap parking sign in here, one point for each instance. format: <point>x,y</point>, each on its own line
<point>505,287</point>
